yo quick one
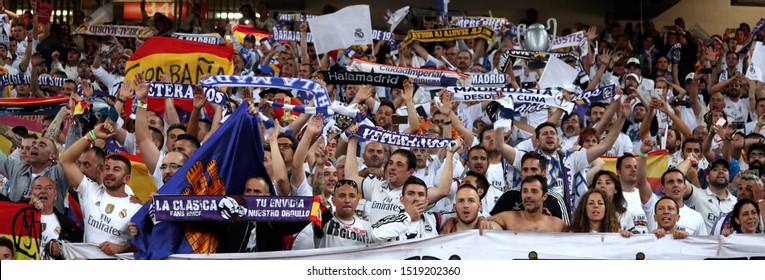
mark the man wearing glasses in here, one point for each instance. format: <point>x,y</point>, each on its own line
<point>171,163</point>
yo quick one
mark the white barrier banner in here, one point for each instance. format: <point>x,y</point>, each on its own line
<point>505,245</point>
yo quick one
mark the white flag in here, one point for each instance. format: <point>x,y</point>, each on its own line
<point>349,26</point>
<point>395,18</point>
<point>557,74</point>
<point>104,14</point>
<point>757,64</point>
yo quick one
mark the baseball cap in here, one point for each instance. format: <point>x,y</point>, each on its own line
<point>721,162</point>
<point>634,76</point>
<point>633,60</point>
<point>249,37</point>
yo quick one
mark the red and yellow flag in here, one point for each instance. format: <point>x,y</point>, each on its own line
<point>183,61</point>
<point>20,223</point>
<point>243,30</point>
<point>657,163</point>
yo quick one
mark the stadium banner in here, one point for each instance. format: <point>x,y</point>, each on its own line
<point>375,134</point>
<point>183,91</point>
<point>488,79</point>
<point>362,78</point>
<point>45,80</point>
<point>506,245</point>
<point>449,34</point>
<point>468,21</point>
<point>209,38</point>
<point>235,208</point>
<point>115,30</point>
<point>430,77</point>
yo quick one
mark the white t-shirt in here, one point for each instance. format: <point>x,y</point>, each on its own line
<point>337,233</point>
<point>690,220</point>
<point>709,205</point>
<point>738,110</point>
<point>749,128</point>
<point>634,207</point>
<point>384,200</point>
<point>622,145</point>
<point>105,217</point>
<point>50,228</point>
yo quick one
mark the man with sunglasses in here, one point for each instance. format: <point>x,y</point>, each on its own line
<point>343,227</point>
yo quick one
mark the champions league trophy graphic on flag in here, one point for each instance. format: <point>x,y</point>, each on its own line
<point>537,38</point>
<point>538,42</point>
<point>538,45</point>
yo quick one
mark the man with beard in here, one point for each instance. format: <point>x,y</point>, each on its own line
<point>673,186</point>
<point>532,218</point>
<point>171,163</point>
<point>106,207</point>
<point>756,156</point>
<point>563,166</point>
<point>467,205</point>
<point>571,126</point>
<point>715,200</point>
<point>532,164</point>
<point>40,162</point>
<point>750,187</point>
<point>464,60</point>
<point>478,162</point>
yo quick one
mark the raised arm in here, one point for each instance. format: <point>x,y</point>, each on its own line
<point>642,171</point>
<point>71,154</point>
<point>504,149</point>
<point>351,163</point>
<point>301,152</point>
<point>421,52</point>
<point>304,43</point>
<point>445,182</point>
<point>199,103</point>
<point>613,133</point>
<point>612,108</point>
<point>144,142</point>
<point>277,162</point>
<point>693,94</point>
<point>677,123</point>
<point>412,117</point>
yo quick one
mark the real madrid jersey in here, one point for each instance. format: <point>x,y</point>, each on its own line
<point>105,217</point>
<point>382,200</point>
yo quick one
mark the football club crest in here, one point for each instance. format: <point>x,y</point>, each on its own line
<point>123,213</point>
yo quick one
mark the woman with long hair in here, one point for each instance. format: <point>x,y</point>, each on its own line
<point>609,183</point>
<point>596,213</point>
<point>745,218</point>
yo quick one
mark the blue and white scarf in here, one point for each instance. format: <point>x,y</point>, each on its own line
<point>374,134</point>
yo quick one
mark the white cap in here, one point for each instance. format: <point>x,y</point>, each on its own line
<point>690,76</point>
<point>633,75</point>
<point>632,60</point>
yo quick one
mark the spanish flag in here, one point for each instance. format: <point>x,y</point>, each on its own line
<point>183,61</point>
<point>657,163</point>
<point>27,112</point>
<point>20,223</point>
<point>243,30</point>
